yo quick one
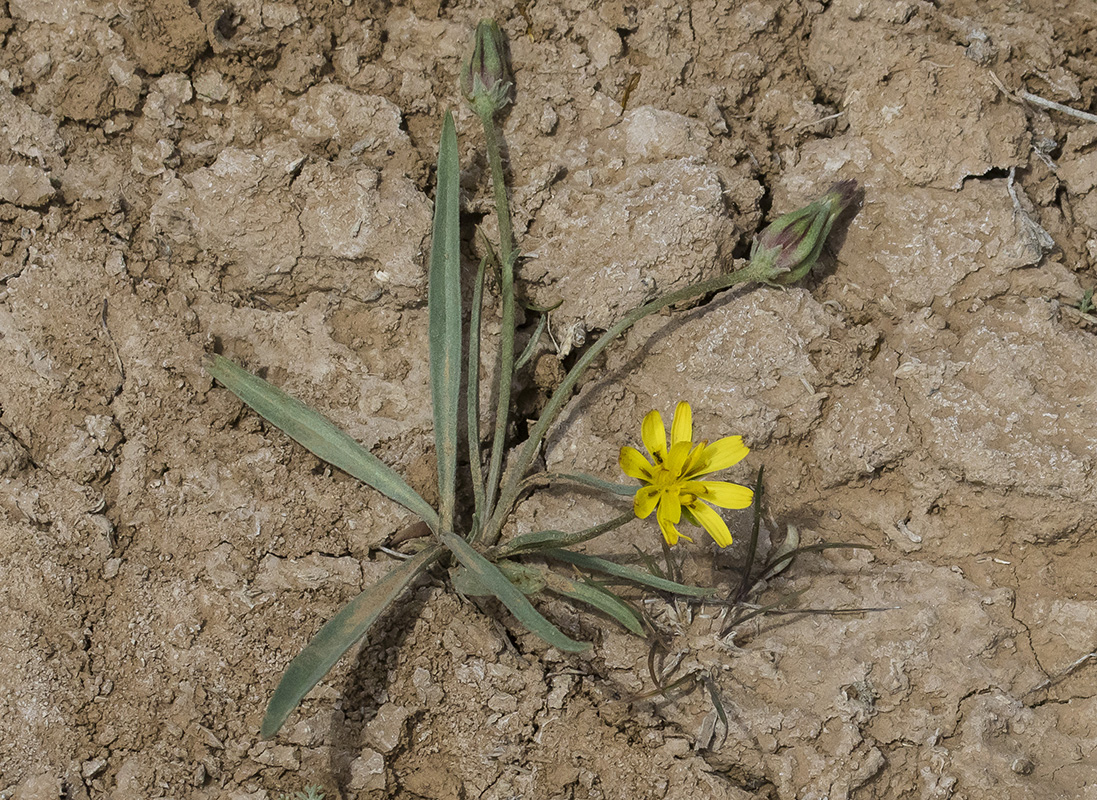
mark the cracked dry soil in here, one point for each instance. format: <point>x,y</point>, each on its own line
<point>256,177</point>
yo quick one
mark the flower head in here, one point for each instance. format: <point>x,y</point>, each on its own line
<point>485,76</point>
<point>791,244</point>
<point>671,477</point>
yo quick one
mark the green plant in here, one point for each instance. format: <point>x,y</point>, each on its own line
<point>1085,305</point>
<point>469,538</point>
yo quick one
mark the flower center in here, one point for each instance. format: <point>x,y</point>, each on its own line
<point>663,478</point>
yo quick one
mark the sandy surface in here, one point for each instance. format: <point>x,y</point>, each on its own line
<point>256,178</point>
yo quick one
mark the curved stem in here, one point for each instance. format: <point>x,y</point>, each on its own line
<point>751,273</point>
<point>539,479</point>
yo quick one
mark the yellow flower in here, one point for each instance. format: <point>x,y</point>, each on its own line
<point>671,477</point>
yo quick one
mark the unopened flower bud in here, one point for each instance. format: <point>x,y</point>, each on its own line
<point>789,247</point>
<point>485,76</point>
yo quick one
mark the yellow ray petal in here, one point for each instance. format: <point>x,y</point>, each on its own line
<point>671,533</point>
<point>721,493</point>
<point>677,457</point>
<point>690,465</point>
<point>634,464</point>
<point>655,436</point>
<point>721,454</point>
<point>670,506</point>
<point>713,523</point>
<point>681,429</point>
<point>645,501</point>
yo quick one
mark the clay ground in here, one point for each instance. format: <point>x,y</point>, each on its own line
<point>255,178</point>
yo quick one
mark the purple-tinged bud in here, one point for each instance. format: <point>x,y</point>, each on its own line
<point>485,76</point>
<point>789,247</point>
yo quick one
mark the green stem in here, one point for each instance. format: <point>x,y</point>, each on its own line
<point>506,336</point>
<point>752,273</point>
<point>539,479</point>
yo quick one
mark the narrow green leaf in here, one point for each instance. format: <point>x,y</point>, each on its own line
<point>717,702</point>
<point>595,564</point>
<point>599,598</point>
<point>339,635</point>
<point>534,541</point>
<point>649,561</point>
<point>472,400</point>
<point>674,567</point>
<point>744,613</point>
<point>539,540</point>
<point>490,576</point>
<point>444,304</point>
<point>531,345</point>
<point>317,435</point>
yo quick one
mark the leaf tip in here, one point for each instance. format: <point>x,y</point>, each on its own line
<point>271,725</point>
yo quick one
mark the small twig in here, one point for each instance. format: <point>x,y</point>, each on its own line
<point>1036,100</point>
<point>395,553</point>
<point>811,122</point>
<point>1056,679</point>
<point>1048,162</point>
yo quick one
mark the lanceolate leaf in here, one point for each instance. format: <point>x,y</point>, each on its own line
<point>338,636</point>
<point>531,345</point>
<point>444,303</point>
<point>631,574</point>
<point>318,435</point>
<point>488,575</point>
